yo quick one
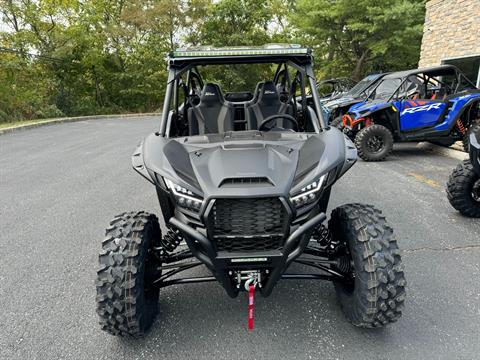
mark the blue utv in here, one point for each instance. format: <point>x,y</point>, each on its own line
<point>437,104</point>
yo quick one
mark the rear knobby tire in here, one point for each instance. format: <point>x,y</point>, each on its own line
<point>374,143</point>
<point>125,303</point>
<point>462,184</point>
<point>376,295</point>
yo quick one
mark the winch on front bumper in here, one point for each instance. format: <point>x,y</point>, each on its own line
<point>248,237</point>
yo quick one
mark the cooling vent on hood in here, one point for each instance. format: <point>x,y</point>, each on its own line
<point>246,181</point>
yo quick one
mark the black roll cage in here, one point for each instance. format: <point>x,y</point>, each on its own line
<point>177,67</point>
<point>426,75</point>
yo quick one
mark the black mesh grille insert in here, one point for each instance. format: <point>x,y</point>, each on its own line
<point>248,224</point>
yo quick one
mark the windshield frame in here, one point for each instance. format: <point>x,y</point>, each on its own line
<point>389,98</point>
<point>363,89</point>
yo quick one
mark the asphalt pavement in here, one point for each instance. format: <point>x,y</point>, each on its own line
<point>60,185</point>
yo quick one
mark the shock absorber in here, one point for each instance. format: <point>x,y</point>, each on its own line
<point>324,238</point>
<point>169,242</point>
<point>322,235</point>
<point>460,126</point>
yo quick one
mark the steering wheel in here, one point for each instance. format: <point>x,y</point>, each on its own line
<point>263,126</point>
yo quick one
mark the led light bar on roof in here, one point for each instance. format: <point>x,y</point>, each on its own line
<point>238,52</point>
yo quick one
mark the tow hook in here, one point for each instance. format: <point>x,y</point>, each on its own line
<point>248,277</point>
<point>253,279</point>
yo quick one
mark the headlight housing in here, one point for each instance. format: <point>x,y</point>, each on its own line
<point>309,193</point>
<point>184,197</point>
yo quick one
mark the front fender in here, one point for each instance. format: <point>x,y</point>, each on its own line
<point>377,109</point>
<point>138,164</point>
<point>350,157</point>
<point>386,115</point>
<point>359,115</point>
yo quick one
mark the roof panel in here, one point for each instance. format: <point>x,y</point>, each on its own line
<point>437,70</point>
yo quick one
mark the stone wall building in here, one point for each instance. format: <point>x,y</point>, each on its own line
<point>451,35</point>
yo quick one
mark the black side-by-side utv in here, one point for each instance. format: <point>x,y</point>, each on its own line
<point>243,186</point>
<point>463,186</point>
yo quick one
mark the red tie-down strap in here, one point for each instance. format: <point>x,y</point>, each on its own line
<point>251,291</point>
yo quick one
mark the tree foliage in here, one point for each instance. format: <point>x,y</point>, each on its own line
<point>79,57</point>
<point>362,36</point>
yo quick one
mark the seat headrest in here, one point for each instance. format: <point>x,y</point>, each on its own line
<point>257,88</point>
<point>268,93</point>
<point>211,94</point>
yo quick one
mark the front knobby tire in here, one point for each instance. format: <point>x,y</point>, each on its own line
<point>125,303</point>
<point>374,143</point>
<point>375,295</point>
<point>463,190</point>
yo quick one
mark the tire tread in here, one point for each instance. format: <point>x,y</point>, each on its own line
<point>459,189</point>
<point>120,300</point>
<point>365,133</point>
<point>379,294</point>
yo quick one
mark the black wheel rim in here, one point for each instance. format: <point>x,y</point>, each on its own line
<point>476,191</point>
<point>375,144</point>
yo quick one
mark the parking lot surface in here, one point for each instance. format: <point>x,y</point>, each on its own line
<point>60,185</point>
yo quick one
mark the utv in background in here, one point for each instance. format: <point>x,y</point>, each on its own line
<point>333,88</point>
<point>437,104</point>
<point>339,106</point>
<point>463,187</point>
<point>243,187</point>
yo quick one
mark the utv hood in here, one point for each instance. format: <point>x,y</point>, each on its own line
<point>255,164</point>
<point>226,167</point>
<point>364,109</point>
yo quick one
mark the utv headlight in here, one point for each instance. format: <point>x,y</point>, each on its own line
<point>183,197</point>
<point>309,193</point>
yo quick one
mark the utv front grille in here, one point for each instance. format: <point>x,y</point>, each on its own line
<point>251,224</point>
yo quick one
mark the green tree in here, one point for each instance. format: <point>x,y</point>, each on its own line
<point>236,22</point>
<point>241,23</point>
<point>367,35</point>
<point>80,57</point>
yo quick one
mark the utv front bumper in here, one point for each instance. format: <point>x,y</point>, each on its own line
<point>223,263</point>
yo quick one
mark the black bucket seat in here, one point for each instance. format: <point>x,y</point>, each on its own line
<point>268,104</point>
<point>212,114</point>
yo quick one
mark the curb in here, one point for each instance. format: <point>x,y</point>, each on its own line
<point>445,151</point>
<point>12,129</point>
